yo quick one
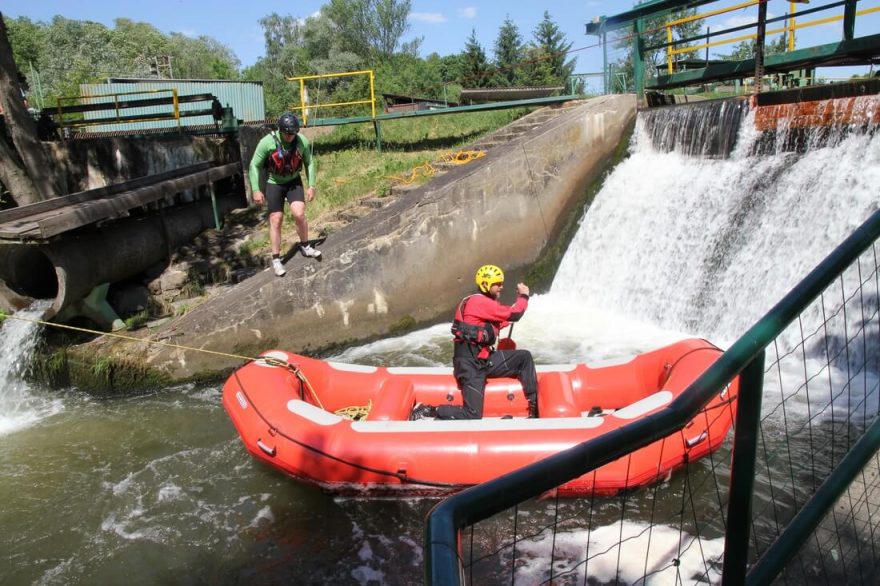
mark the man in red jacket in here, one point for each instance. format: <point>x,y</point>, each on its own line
<point>475,327</point>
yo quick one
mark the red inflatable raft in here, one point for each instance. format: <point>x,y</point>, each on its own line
<point>294,413</point>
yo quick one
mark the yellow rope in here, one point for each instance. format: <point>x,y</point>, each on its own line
<point>130,338</point>
<point>355,413</point>
<point>267,359</point>
<point>428,170</point>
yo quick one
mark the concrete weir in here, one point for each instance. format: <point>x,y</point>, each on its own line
<point>412,260</point>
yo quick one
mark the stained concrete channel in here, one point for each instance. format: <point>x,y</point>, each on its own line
<point>408,262</point>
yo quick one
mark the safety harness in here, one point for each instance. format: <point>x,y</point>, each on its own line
<point>284,161</point>
<point>483,336</point>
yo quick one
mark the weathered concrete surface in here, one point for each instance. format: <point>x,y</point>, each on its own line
<point>412,260</point>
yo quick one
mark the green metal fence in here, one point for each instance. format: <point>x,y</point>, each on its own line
<point>779,501</point>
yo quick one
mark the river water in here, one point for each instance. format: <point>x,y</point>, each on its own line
<point>157,489</point>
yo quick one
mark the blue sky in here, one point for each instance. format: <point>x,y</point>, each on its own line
<point>445,26</point>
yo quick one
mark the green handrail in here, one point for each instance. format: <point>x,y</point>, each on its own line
<point>446,519</point>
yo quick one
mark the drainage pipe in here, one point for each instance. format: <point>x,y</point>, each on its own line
<point>70,266</point>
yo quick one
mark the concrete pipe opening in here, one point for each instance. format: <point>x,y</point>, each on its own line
<point>28,272</point>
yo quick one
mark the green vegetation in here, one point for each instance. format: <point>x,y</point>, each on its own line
<point>350,166</point>
<point>655,35</point>
<point>135,321</point>
<point>345,35</point>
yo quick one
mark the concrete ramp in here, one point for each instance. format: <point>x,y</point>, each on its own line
<point>412,260</point>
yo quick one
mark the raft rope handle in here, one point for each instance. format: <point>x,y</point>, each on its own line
<point>399,475</point>
<point>298,373</point>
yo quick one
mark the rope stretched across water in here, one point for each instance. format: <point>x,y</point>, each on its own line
<point>356,411</point>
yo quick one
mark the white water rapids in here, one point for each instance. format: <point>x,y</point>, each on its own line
<point>157,488</point>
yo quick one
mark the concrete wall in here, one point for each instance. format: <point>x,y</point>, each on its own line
<point>96,162</point>
<point>412,260</point>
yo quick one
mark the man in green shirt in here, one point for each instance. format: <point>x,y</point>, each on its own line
<point>285,155</point>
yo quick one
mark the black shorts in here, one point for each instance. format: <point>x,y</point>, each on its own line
<point>276,194</point>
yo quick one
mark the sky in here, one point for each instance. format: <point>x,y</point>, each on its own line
<point>444,26</point>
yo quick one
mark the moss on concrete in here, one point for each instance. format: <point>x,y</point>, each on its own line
<point>94,373</point>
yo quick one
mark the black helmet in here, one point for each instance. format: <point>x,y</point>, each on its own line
<point>288,123</point>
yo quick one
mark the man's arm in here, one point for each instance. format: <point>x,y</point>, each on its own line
<point>257,162</point>
<point>311,166</point>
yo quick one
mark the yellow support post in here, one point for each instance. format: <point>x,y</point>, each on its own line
<point>303,78</point>
<point>373,93</point>
<point>669,49</point>
<point>791,26</point>
<point>302,101</point>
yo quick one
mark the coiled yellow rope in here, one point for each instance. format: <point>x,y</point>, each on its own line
<point>428,170</point>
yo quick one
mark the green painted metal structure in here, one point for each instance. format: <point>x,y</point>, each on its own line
<point>437,112</point>
<point>851,50</point>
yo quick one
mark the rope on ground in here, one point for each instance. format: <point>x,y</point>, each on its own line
<point>463,157</point>
<point>428,170</point>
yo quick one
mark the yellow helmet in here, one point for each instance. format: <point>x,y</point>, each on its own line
<point>488,275</point>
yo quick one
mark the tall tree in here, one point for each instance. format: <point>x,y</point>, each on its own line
<point>550,53</point>
<point>371,28</point>
<point>746,49</point>
<point>25,167</point>
<point>475,70</point>
<point>509,52</point>
<point>655,35</point>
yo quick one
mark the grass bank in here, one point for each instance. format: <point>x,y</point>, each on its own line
<point>350,167</point>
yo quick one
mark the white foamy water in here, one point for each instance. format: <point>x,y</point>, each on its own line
<point>20,406</point>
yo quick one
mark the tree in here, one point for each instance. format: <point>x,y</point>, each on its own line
<point>25,167</point>
<point>509,52</point>
<point>746,49</point>
<point>655,35</point>
<point>371,28</point>
<point>547,55</point>
<point>202,58</point>
<point>475,70</point>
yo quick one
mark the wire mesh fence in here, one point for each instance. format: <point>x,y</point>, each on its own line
<point>818,408</point>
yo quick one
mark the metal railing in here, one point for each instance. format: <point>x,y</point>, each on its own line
<point>806,427</point>
<point>789,28</point>
<point>305,106</point>
<point>136,106</point>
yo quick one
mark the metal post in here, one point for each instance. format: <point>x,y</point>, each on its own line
<point>708,40</point>
<point>759,46</point>
<point>214,206</point>
<point>849,20</point>
<point>302,101</point>
<point>378,130</point>
<point>606,79</point>
<point>638,57</point>
<point>742,473</point>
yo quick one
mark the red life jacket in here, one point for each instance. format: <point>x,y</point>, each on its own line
<point>284,161</point>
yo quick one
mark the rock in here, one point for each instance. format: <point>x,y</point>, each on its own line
<point>129,299</point>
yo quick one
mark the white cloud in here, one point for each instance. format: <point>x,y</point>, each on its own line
<point>469,12</point>
<point>735,21</point>
<point>429,17</point>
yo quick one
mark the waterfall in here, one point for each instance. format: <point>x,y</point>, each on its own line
<point>20,406</point>
<point>707,245</point>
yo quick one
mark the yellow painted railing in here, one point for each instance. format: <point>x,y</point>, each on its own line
<point>791,27</point>
<point>304,107</point>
